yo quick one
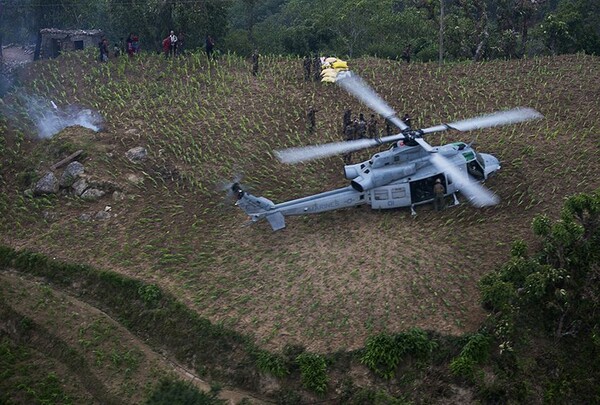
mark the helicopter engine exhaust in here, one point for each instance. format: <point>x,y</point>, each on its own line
<point>371,178</point>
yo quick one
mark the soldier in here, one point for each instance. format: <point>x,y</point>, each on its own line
<point>347,119</point>
<point>372,127</point>
<point>388,127</point>
<point>439,202</point>
<point>361,127</point>
<point>312,120</point>
<point>317,68</point>
<point>255,62</point>
<point>406,53</point>
<point>306,65</point>
<point>350,134</point>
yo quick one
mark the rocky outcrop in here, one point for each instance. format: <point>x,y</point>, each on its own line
<point>71,174</point>
<point>48,184</point>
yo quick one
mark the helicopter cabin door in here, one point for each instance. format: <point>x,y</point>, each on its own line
<point>390,196</point>
<point>422,190</point>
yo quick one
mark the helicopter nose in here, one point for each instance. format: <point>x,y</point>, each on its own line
<point>492,164</point>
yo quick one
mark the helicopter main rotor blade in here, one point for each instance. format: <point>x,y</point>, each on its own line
<point>304,153</point>
<point>356,86</point>
<point>491,120</point>
<point>478,195</point>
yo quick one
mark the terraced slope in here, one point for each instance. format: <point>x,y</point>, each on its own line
<point>328,281</point>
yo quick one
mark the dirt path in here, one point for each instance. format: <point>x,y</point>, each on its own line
<point>73,321</point>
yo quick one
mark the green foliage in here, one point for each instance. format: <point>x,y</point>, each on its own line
<point>519,249</point>
<point>383,352</point>
<point>382,355</point>
<point>476,351</point>
<point>150,294</point>
<point>272,364</point>
<point>178,392</point>
<point>313,372</point>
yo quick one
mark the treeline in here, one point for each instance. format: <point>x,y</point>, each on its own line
<point>472,29</point>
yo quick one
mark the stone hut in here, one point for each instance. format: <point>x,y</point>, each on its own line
<point>52,41</point>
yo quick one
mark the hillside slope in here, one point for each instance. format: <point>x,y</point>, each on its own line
<point>326,282</point>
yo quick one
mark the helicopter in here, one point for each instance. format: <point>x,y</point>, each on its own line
<point>402,176</point>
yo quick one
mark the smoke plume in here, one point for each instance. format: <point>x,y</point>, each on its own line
<point>48,119</point>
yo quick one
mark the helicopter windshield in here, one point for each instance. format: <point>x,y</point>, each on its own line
<point>480,159</point>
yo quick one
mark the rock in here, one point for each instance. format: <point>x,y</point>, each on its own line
<point>92,194</point>
<point>46,185</point>
<point>85,217</point>
<point>79,187</point>
<point>135,179</point>
<point>137,154</point>
<point>102,215</point>
<point>71,174</point>
<point>132,131</point>
<point>118,196</point>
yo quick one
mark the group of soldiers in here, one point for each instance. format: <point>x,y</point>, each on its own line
<point>312,68</point>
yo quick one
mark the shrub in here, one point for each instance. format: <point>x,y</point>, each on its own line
<point>313,372</point>
<point>272,364</point>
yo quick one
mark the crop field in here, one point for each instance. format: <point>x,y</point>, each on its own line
<point>327,281</point>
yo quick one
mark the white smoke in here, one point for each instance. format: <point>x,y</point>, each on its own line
<point>49,119</point>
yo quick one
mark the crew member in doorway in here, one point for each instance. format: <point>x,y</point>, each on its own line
<point>439,201</point>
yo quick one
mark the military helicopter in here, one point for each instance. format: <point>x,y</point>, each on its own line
<point>402,176</point>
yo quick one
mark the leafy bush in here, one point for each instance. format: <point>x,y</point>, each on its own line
<point>313,372</point>
<point>383,352</point>
<point>476,351</point>
<point>150,294</point>
<point>272,364</point>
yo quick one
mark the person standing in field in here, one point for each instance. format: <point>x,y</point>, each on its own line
<point>372,127</point>
<point>210,44</point>
<point>172,44</point>
<point>312,119</point>
<point>306,63</point>
<point>255,56</point>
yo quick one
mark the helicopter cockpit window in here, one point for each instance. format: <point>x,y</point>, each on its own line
<point>480,160</point>
<point>367,171</point>
<point>381,195</point>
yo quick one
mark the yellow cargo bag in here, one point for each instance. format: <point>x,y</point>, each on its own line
<point>340,64</point>
<point>328,79</point>
<point>328,72</point>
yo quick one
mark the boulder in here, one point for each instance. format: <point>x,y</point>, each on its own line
<point>102,215</point>
<point>92,194</point>
<point>85,217</point>
<point>48,184</point>
<point>79,187</point>
<point>71,174</point>
<point>137,154</point>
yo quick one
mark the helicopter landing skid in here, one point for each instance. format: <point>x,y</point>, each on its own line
<point>413,213</point>
<point>456,202</point>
